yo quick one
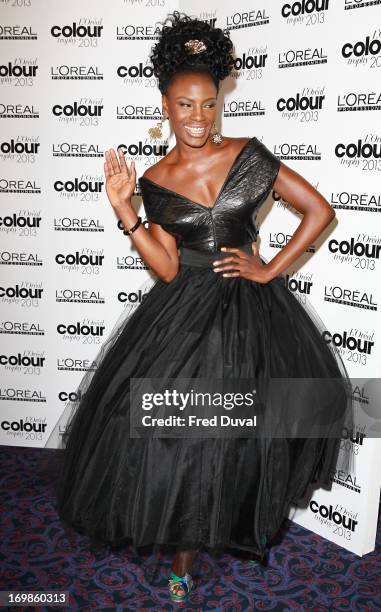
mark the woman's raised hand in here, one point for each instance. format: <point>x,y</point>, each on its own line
<point>120,180</point>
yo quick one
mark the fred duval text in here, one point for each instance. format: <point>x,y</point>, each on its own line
<point>222,420</point>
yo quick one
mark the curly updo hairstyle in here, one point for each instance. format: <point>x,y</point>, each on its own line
<point>169,56</point>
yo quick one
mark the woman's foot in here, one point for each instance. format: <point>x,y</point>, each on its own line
<point>182,567</point>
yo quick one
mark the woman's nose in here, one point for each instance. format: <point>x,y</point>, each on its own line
<point>197,112</point>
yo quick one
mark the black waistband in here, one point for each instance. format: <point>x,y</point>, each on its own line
<point>204,259</point>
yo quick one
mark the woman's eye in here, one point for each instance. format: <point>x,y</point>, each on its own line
<point>206,105</point>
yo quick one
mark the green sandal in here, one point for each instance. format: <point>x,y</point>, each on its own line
<point>186,583</point>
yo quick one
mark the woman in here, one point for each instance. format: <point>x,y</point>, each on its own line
<point>216,310</point>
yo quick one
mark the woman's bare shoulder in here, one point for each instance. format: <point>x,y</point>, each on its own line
<point>160,171</point>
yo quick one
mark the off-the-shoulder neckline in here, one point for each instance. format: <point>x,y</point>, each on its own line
<point>183,197</point>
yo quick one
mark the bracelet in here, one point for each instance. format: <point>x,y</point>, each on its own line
<point>127,232</point>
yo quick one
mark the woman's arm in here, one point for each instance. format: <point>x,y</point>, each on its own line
<point>317,215</point>
<point>156,246</point>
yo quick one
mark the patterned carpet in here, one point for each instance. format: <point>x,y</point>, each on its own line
<point>304,571</point>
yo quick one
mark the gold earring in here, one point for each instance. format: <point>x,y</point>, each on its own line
<point>156,132</point>
<point>215,136</point>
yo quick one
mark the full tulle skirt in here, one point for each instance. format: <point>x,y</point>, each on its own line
<point>201,492</point>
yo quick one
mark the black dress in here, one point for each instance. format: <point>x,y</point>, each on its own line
<point>207,492</point>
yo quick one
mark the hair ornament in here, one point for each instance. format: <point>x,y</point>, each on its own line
<point>194,46</point>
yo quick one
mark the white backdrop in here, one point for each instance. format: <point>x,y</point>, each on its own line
<point>75,80</point>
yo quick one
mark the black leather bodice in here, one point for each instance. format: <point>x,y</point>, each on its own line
<point>231,221</point>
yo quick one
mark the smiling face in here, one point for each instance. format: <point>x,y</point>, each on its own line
<point>190,103</point>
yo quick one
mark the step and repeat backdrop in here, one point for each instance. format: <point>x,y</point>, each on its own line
<point>76,80</point>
